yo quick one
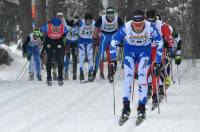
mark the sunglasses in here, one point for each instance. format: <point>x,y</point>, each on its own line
<point>138,24</point>
<point>60,16</point>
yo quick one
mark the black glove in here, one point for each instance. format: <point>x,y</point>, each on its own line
<point>112,67</point>
<point>178,60</point>
<point>24,54</point>
<point>170,52</point>
<point>28,57</point>
<point>156,69</point>
<point>121,45</point>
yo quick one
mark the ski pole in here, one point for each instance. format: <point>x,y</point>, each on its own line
<point>20,73</point>
<point>133,88</point>
<point>179,80</point>
<point>165,83</point>
<point>113,97</point>
<point>172,76</point>
<point>157,94</point>
<point>24,73</point>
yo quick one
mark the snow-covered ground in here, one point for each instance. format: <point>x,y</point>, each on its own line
<point>27,106</point>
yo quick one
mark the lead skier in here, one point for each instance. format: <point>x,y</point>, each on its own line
<point>137,49</point>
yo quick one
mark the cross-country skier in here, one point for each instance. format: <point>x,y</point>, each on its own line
<point>86,44</point>
<point>137,34</point>
<point>32,48</point>
<point>165,32</point>
<point>72,48</point>
<point>109,24</point>
<point>177,55</point>
<point>55,31</point>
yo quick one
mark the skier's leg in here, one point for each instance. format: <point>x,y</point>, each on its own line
<point>89,56</point>
<point>74,59</point>
<point>100,54</point>
<point>143,68</point>
<point>129,69</point>
<point>49,59</point>
<point>81,48</point>
<point>60,58</point>
<point>37,64</point>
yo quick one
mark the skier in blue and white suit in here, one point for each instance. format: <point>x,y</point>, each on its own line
<point>108,25</point>
<point>86,30</point>
<point>32,48</point>
<point>137,34</point>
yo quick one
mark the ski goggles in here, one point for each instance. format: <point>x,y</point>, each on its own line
<point>138,24</point>
<point>151,19</point>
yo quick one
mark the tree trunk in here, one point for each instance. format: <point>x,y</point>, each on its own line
<point>25,18</point>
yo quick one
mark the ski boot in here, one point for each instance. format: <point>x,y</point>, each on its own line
<point>90,76</point>
<point>74,76</point>
<point>161,93</point>
<point>60,81</point>
<point>102,76</point>
<point>141,115</point>
<point>31,76</point>
<point>49,82</point>
<point>39,77</point>
<point>154,101</point>
<point>125,113</point>
<point>94,75</point>
<point>81,76</point>
<point>110,78</point>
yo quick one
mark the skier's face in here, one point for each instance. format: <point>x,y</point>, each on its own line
<point>61,17</point>
<point>138,26</point>
<point>36,37</point>
<point>88,21</point>
<point>110,16</point>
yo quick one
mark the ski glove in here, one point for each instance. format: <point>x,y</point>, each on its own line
<point>171,52</point>
<point>178,60</point>
<point>113,67</point>
<point>28,57</point>
<point>156,69</point>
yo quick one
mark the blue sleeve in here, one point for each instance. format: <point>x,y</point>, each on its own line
<point>159,41</point>
<point>116,39</point>
<point>65,30</point>
<point>80,24</point>
<point>44,28</point>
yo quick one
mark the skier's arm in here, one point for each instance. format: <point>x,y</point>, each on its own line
<point>120,22</point>
<point>167,35</point>
<point>117,38</point>
<point>178,42</point>
<point>44,29</point>
<point>65,31</point>
<point>159,41</point>
<point>97,27</point>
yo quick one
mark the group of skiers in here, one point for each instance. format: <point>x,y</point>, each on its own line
<point>149,44</point>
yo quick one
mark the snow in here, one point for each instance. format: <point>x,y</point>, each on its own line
<point>32,106</point>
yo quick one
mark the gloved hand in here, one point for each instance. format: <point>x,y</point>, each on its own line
<point>156,69</point>
<point>112,67</point>
<point>171,52</point>
<point>178,60</point>
<point>28,56</point>
<point>24,54</point>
